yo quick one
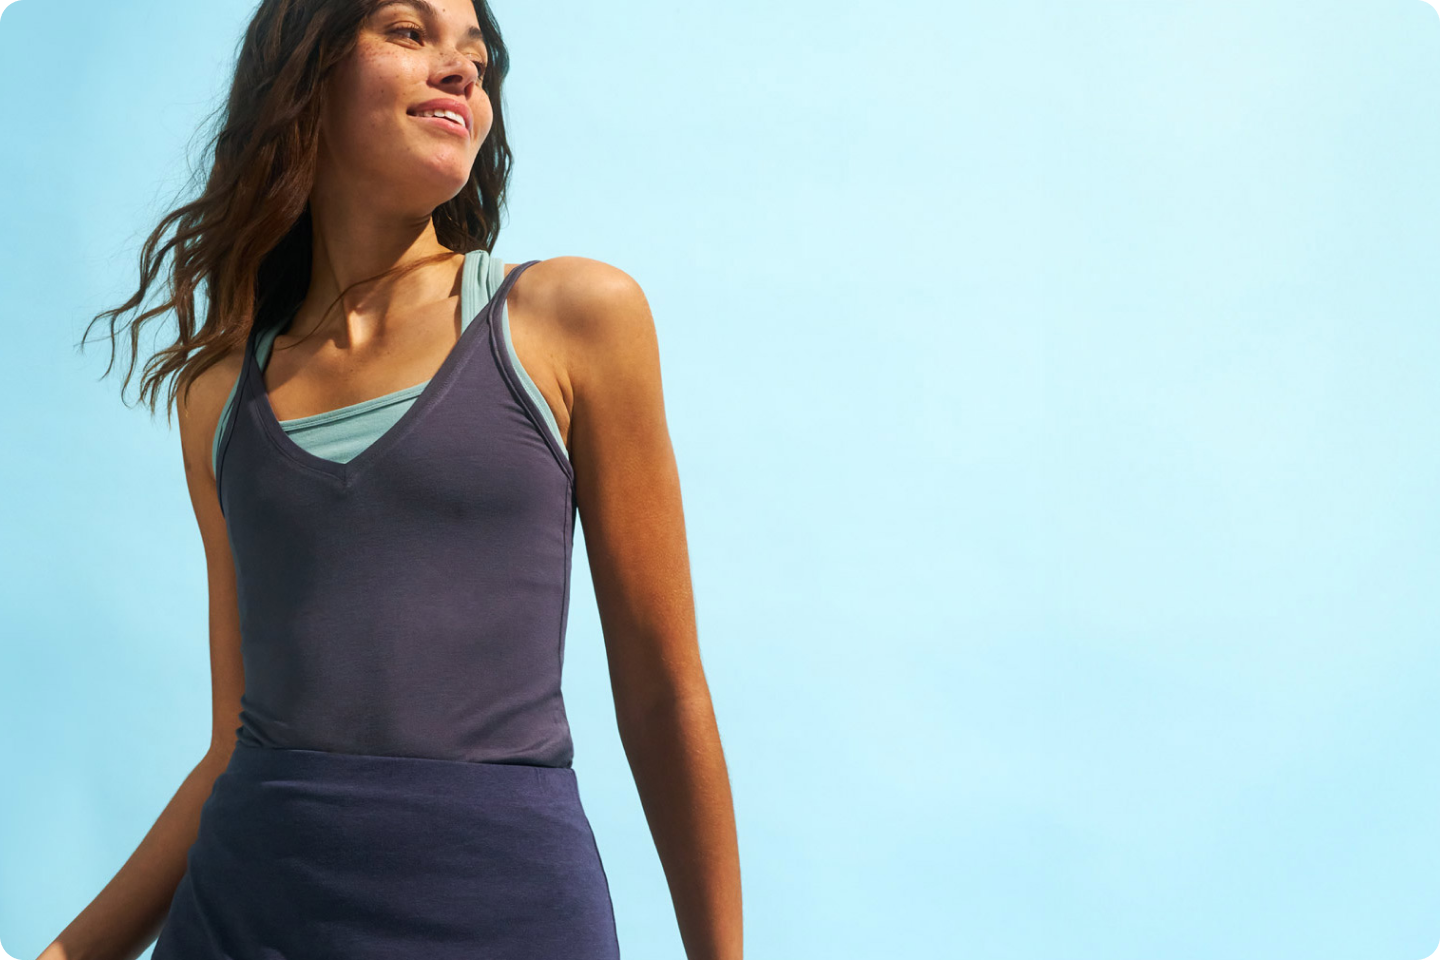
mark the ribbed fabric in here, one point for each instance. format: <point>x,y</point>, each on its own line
<point>412,600</point>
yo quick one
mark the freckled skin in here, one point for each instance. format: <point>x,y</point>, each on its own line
<point>368,143</point>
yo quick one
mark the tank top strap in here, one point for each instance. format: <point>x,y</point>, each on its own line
<point>264,340</point>
<point>225,429</point>
<point>476,285</point>
<point>496,274</point>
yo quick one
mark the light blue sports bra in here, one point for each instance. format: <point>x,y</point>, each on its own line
<point>344,432</point>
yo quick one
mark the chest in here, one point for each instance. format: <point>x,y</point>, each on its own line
<point>305,377</point>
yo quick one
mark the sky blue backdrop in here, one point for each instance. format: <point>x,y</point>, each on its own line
<point>1054,393</point>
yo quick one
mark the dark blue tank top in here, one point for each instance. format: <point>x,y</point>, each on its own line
<point>412,600</point>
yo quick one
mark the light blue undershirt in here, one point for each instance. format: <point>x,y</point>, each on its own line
<point>342,433</point>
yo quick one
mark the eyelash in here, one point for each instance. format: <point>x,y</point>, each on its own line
<point>479,64</point>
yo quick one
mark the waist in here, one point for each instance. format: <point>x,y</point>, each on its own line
<point>407,709</point>
<point>283,771</point>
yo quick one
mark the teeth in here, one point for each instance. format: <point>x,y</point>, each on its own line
<point>447,114</point>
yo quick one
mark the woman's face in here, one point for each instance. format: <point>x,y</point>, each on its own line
<point>409,55</point>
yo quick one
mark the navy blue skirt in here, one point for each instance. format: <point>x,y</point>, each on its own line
<point>312,855</point>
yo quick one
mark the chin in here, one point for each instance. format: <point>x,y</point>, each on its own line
<point>441,177</point>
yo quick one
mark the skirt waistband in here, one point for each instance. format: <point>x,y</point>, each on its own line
<point>406,775</point>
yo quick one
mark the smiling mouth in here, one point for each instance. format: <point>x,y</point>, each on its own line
<point>451,125</point>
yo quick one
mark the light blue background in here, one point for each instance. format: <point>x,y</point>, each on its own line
<point>1054,393</point>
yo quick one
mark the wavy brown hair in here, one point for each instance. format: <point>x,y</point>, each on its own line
<point>246,239</point>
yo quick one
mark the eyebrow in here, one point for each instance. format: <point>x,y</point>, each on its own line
<point>428,9</point>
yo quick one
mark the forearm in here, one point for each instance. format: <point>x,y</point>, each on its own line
<point>679,769</point>
<point>126,916</point>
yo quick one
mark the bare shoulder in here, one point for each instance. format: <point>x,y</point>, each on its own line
<point>597,312</point>
<point>198,413</point>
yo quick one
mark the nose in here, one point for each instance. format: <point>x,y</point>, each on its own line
<point>457,71</point>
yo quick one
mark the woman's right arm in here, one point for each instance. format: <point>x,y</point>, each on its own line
<point>126,916</point>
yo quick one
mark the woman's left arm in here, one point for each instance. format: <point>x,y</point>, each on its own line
<point>628,496</point>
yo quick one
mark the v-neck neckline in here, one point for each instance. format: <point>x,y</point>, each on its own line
<point>431,392</point>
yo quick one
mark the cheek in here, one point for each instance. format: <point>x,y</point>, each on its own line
<point>484,117</point>
<point>365,94</point>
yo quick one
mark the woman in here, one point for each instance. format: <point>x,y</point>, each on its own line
<point>387,436</point>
